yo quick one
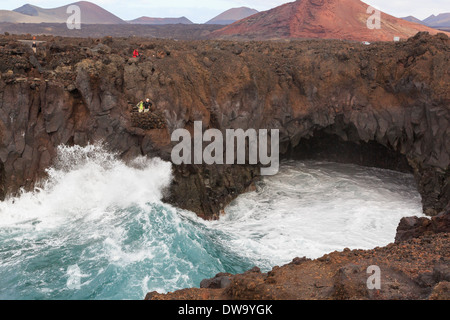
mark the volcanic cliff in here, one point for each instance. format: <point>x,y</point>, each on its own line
<point>389,100</point>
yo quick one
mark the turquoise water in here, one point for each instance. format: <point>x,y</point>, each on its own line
<point>121,255</point>
<point>97,229</point>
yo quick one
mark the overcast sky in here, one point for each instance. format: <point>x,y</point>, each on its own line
<point>200,11</point>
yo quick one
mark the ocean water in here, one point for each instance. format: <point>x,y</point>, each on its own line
<point>97,229</point>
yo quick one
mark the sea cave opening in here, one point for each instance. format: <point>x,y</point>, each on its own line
<point>325,145</point>
<point>331,193</point>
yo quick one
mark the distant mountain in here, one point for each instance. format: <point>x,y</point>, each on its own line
<point>16,17</point>
<point>413,19</point>
<point>28,10</point>
<point>160,21</point>
<point>90,14</point>
<point>328,19</point>
<point>232,15</point>
<point>441,20</point>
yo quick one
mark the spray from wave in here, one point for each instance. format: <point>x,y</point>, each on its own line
<point>84,182</point>
<point>97,229</point>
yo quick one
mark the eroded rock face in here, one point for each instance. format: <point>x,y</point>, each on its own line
<point>2,182</point>
<point>393,95</point>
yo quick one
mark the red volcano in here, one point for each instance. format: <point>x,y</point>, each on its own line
<point>328,19</point>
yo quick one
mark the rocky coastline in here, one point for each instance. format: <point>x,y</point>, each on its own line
<point>386,104</point>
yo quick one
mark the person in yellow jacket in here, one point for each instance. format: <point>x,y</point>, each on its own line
<point>140,106</point>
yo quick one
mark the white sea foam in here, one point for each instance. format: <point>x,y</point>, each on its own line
<point>312,208</point>
<point>97,226</point>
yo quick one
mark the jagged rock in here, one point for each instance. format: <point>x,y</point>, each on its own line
<point>148,121</point>
<point>220,281</point>
<point>441,291</point>
<point>298,261</point>
<point>34,61</point>
<point>413,227</point>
